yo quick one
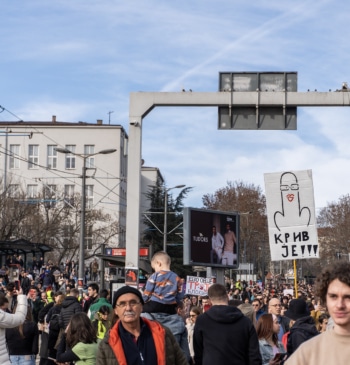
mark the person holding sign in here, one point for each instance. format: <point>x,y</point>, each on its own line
<point>229,255</point>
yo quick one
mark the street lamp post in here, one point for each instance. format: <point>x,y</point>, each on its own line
<point>83,206</point>
<point>165,231</point>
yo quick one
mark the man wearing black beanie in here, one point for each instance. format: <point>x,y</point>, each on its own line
<point>136,340</point>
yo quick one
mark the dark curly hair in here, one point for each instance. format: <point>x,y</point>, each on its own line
<point>80,329</point>
<point>340,271</point>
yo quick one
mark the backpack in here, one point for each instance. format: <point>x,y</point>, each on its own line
<point>54,323</point>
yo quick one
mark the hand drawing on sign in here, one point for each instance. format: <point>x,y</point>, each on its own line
<point>291,205</point>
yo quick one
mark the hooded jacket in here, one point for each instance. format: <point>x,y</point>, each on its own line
<point>223,335</point>
<point>70,306</point>
<point>302,330</point>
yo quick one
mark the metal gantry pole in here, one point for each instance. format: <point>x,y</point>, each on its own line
<point>82,225</point>
<point>165,234</point>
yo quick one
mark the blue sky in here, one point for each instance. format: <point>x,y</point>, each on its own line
<point>80,59</point>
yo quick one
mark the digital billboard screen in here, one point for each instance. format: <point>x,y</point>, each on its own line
<point>211,238</point>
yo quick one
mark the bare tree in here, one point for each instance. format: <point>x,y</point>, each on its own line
<point>53,220</point>
<point>334,230</point>
<point>248,199</point>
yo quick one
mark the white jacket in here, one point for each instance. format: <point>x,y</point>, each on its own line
<point>8,320</point>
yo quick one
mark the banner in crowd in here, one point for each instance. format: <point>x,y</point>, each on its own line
<point>196,285</point>
<point>291,215</point>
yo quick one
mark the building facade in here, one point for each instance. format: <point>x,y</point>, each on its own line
<point>30,163</point>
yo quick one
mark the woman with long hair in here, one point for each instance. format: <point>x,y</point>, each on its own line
<point>272,351</point>
<point>23,341</point>
<point>79,343</point>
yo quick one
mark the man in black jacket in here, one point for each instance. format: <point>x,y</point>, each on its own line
<point>223,335</point>
<point>303,325</point>
<point>70,306</point>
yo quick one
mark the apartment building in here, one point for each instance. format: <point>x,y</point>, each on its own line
<point>30,162</point>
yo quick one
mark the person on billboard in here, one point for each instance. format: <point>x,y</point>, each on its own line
<point>229,255</point>
<point>217,244</point>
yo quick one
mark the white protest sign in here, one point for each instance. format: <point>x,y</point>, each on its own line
<point>291,215</point>
<point>196,285</point>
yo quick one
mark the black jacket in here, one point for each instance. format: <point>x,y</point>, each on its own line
<point>29,345</point>
<point>70,306</point>
<point>223,335</point>
<point>302,330</point>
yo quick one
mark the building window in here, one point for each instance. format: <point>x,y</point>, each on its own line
<point>88,238</point>
<point>51,157</point>
<point>32,191</point>
<point>33,156</point>
<point>89,196</point>
<point>68,235</point>
<point>50,196</point>
<point>70,157</point>
<point>89,149</point>
<point>14,155</point>
<point>69,195</point>
<point>13,191</point>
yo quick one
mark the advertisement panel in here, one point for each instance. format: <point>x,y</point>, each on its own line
<point>211,238</point>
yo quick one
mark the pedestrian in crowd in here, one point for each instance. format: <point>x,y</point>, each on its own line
<point>93,290</point>
<point>190,323</point>
<point>94,269</point>
<point>137,340</point>
<point>9,320</point>
<point>272,351</point>
<point>23,341</point>
<point>101,301</point>
<point>53,322</point>
<point>206,303</point>
<point>163,289</point>
<point>25,282</point>
<point>275,308</point>
<point>79,343</point>
<point>70,306</point>
<point>256,303</point>
<point>215,330</point>
<point>11,296</point>
<point>332,346</point>
<point>102,321</point>
<point>38,304</point>
<point>302,325</point>
<point>187,306</point>
<point>322,322</point>
<point>248,310</point>
<point>194,301</point>
<point>284,308</point>
<point>44,334</point>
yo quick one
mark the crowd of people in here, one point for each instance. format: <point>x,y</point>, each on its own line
<point>53,322</point>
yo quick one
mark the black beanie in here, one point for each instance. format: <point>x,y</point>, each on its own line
<point>126,290</point>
